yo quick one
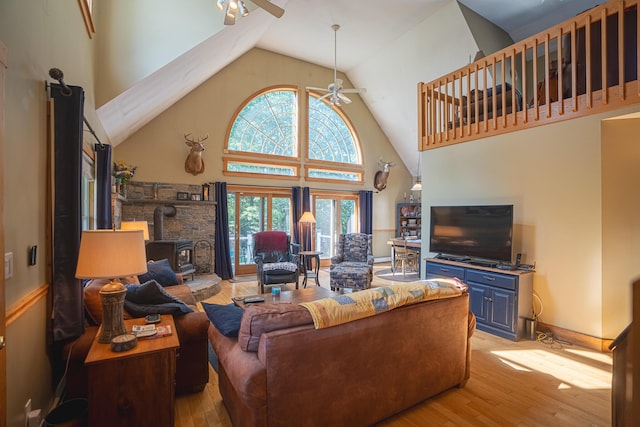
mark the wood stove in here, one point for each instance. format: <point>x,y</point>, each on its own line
<point>178,252</point>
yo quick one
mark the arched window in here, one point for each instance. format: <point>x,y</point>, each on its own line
<point>263,139</point>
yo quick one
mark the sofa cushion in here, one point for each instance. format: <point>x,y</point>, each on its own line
<point>149,298</point>
<point>226,318</point>
<point>161,272</point>
<point>261,318</point>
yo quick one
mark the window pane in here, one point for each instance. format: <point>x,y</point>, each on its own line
<point>325,215</point>
<point>268,124</point>
<point>330,138</point>
<point>332,174</point>
<point>260,169</point>
<point>347,216</point>
<point>280,219</point>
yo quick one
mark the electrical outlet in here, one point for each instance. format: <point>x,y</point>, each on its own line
<point>8,270</point>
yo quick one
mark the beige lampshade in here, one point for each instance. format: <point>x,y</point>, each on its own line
<point>307,218</point>
<point>107,254</point>
<point>136,225</point>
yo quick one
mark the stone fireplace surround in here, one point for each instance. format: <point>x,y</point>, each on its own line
<point>194,219</point>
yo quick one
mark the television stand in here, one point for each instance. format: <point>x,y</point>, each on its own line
<point>500,299</point>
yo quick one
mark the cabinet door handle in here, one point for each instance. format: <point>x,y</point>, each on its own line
<point>445,270</point>
<point>488,299</point>
<point>491,279</point>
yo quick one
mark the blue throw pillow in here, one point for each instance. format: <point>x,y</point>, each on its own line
<point>161,272</point>
<point>226,318</point>
<point>150,298</point>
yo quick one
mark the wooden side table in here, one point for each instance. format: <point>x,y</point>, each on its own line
<point>315,266</point>
<point>134,387</point>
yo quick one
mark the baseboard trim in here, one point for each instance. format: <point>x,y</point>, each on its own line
<point>583,340</point>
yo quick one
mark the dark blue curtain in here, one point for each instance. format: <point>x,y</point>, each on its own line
<point>67,316</point>
<point>223,267</point>
<point>306,230</point>
<point>296,201</point>
<point>366,212</point>
<point>103,186</point>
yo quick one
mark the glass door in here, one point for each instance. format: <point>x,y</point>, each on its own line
<point>335,215</point>
<point>250,212</point>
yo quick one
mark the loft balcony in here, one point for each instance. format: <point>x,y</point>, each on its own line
<point>583,66</point>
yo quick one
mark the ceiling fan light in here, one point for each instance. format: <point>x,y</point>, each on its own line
<point>233,4</point>
<point>243,9</point>
<point>418,185</point>
<point>220,4</point>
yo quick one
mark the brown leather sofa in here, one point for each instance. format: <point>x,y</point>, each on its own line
<point>354,374</point>
<point>192,364</point>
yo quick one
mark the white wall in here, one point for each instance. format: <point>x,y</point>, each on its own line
<point>553,176</point>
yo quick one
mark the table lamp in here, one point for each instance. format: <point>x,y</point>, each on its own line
<point>136,225</point>
<point>110,254</point>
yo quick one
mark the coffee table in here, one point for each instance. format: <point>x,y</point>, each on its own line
<point>294,297</point>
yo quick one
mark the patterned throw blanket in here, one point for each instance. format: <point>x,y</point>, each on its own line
<point>345,308</point>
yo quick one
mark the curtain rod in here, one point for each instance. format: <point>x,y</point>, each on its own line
<point>57,74</point>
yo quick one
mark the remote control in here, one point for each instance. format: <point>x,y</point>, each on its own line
<point>152,318</point>
<point>253,299</point>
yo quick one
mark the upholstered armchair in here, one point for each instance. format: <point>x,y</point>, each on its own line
<point>352,266</point>
<point>276,258</point>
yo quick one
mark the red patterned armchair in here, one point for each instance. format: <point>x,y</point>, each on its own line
<point>276,258</point>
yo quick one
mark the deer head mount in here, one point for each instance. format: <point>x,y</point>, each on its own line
<point>380,179</point>
<point>194,163</point>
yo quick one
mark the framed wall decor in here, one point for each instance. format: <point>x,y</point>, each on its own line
<point>196,196</point>
<point>183,195</point>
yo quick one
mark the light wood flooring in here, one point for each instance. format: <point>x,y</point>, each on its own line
<point>525,383</point>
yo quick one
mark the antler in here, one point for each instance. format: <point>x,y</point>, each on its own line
<point>186,137</point>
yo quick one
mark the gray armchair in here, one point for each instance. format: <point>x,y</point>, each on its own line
<point>352,266</point>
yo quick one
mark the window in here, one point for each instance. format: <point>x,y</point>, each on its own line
<point>264,139</point>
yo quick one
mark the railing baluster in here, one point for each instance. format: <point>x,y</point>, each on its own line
<point>621,84</point>
<point>560,75</point>
<point>603,29</point>
<point>494,98</point>
<point>468,101</point>
<point>547,65</point>
<point>514,103</point>
<point>503,70</point>
<point>525,84</point>
<point>536,101</point>
<point>574,67</point>
<point>446,108</point>
<point>459,108</point>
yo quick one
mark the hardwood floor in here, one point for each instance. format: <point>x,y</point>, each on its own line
<point>525,383</point>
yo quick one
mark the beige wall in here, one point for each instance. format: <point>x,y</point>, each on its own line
<point>210,108</point>
<point>39,35</point>
<point>620,219</point>
<point>553,176</point>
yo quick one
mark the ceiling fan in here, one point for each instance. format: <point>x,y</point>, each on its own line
<point>335,90</point>
<point>235,8</point>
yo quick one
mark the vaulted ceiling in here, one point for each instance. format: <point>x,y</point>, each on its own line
<point>382,46</point>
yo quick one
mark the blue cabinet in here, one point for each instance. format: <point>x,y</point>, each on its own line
<point>501,300</point>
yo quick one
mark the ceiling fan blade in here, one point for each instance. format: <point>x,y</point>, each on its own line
<point>355,90</point>
<point>344,98</point>
<point>320,89</point>
<point>276,11</point>
<point>326,95</point>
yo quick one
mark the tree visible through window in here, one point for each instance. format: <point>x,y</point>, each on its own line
<point>268,124</point>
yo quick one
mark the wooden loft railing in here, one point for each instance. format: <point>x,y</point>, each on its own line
<point>602,43</point>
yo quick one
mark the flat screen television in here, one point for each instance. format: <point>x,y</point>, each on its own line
<point>483,232</point>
